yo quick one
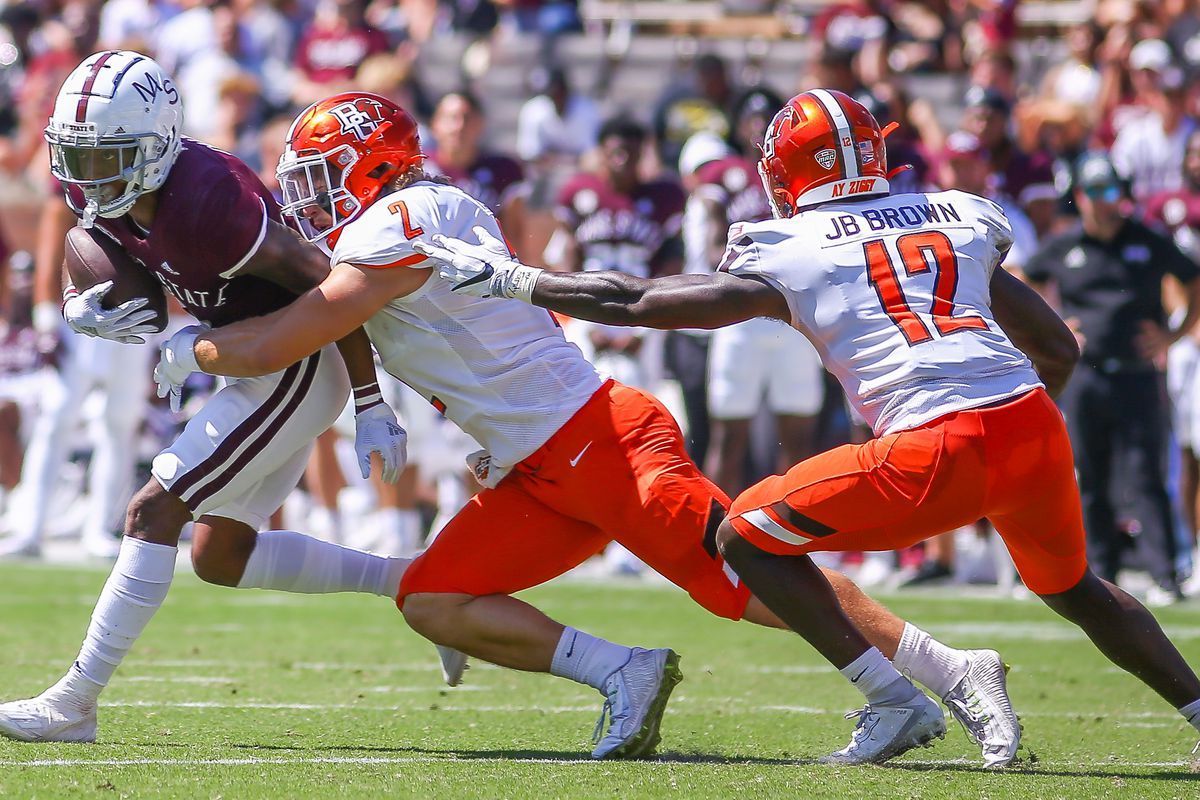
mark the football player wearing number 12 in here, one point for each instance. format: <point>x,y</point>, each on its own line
<point>575,461</point>
<point>933,343</point>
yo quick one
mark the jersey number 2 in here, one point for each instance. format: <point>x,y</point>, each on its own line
<point>920,252</point>
<point>398,207</point>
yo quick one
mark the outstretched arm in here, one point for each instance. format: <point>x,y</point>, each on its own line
<point>675,301</point>
<point>1035,328</point>
<point>614,298</point>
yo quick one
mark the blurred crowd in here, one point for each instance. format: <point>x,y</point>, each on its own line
<point>1085,134</point>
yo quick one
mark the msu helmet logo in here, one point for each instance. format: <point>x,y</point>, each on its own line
<point>356,121</point>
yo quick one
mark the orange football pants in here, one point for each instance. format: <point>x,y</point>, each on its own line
<point>1009,462</point>
<point>616,470</point>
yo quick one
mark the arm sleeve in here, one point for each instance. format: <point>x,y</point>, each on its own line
<point>744,257</point>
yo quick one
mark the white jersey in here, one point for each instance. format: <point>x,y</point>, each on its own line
<point>894,293</point>
<point>500,370</point>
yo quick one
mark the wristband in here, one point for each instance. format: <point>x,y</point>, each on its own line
<point>69,293</point>
<point>367,397</point>
<point>520,283</point>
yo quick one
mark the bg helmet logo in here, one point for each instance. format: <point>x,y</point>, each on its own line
<point>358,121</point>
<point>786,116</point>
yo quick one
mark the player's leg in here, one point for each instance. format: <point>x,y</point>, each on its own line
<point>47,452</point>
<point>737,377</point>
<point>11,449</point>
<point>324,480</point>
<point>457,594</point>
<point>1038,513</point>
<point>1086,405</point>
<point>838,501</point>
<point>125,385</point>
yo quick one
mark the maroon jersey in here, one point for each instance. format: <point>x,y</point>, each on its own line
<point>1178,212</point>
<point>1026,177</point>
<point>211,218</point>
<point>733,182</point>
<point>328,54</point>
<point>625,232</point>
<point>19,353</point>
<point>493,180</point>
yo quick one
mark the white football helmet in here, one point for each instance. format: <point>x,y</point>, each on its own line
<point>115,130</point>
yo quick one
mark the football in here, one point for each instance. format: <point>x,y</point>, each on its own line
<point>91,258</point>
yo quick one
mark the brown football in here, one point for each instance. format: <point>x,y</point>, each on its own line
<point>91,257</point>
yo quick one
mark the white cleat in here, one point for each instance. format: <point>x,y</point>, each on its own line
<point>885,732</point>
<point>46,719</point>
<point>637,695</point>
<point>454,664</point>
<point>980,703</point>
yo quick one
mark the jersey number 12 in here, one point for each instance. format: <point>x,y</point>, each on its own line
<point>920,252</point>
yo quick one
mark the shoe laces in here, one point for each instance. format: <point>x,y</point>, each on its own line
<point>865,716</point>
<point>605,712</point>
<point>972,717</point>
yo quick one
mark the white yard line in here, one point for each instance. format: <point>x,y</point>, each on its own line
<point>450,759</point>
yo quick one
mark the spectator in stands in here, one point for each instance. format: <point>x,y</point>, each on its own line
<point>331,49</point>
<point>887,101</point>
<point>1027,179</point>
<point>496,180</point>
<point>547,18</point>
<point>185,35</point>
<point>21,362</point>
<point>238,119</point>
<point>393,76</point>
<point>206,73</point>
<point>966,166</point>
<point>1178,213</point>
<point>701,103</point>
<point>1107,276</point>
<point>266,40</point>
<point>611,219</point>
<point>864,28</point>
<point>1148,150</point>
<point>996,70</point>
<point>1075,80</point>
<point>131,24</point>
<point>556,126</point>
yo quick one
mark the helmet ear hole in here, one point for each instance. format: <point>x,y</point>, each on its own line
<point>381,171</point>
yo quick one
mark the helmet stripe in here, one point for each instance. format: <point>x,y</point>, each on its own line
<point>841,126</point>
<point>88,83</point>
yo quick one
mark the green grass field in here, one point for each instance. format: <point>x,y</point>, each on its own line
<point>257,695</point>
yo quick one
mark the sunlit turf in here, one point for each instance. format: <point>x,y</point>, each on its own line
<point>251,694</point>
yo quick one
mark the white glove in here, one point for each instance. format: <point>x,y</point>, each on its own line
<point>177,360</point>
<point>376,430</point>
<point>126,323</point>
<point>486,269</point>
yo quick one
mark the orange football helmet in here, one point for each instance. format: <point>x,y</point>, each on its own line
<point>340,154</point>
<point>823,145</point>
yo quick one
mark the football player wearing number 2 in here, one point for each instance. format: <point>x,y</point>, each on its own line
<point>203,223</point>
<point>951,359</point>
<point>573,461</point>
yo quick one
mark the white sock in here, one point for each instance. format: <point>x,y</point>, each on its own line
<point>878,680</point>
<point>292,562</point>
<point>930,662</point>
<point>135,589</point>
<point>587,659</point>
<point>1191,712</point>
